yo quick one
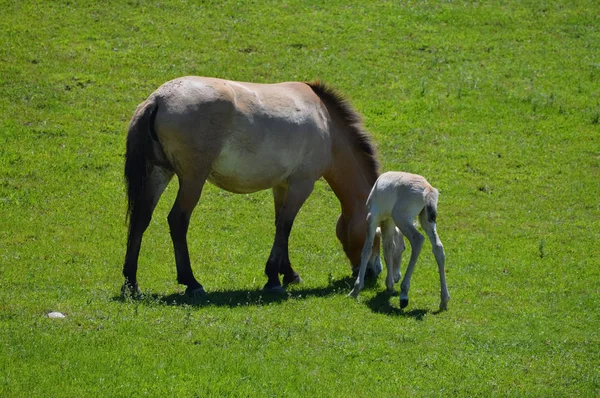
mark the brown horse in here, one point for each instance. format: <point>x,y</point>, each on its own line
<point>246,137</point>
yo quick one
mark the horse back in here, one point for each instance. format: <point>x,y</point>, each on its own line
<point>243,137</point>
<point>400,193</point>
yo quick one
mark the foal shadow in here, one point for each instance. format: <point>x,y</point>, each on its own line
<point>244,297</point>
<point>381,304</point>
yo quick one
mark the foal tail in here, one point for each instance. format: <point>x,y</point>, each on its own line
<point>431,199</point>
<point>139,153</point>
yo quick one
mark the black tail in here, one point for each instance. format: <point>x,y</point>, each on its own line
<point>431,214</point>
<point>431,200</point>
<point>138,154</point>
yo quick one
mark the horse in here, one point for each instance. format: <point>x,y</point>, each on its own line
<point>246,137</point>
<point>393,204</point>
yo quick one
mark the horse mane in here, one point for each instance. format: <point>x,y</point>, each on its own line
<point>358,135</point>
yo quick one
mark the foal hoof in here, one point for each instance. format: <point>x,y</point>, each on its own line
<point>132,291</point>
<point>403,303</point>
<point>443,306</point>
<point>197,292</point>
<point>274,289</point>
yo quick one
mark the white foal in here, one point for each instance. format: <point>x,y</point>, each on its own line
<point>394,202</point>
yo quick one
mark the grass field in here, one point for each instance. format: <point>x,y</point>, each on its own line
<point>496,103</point>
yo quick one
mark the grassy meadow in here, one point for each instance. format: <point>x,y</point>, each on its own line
<point>496,103</point>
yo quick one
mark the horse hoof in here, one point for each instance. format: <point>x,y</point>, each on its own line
<point>277,289</point>
<point>353,293</point>
<point>295,279</point>
<point>132,291</point>
<point>196,292</point>
<point>403,303</point>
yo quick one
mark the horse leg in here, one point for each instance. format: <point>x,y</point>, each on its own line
<point>179,221</point>
<point>139,220</point>
<point>389,250</point>
<point>287,203</point>
<point>279,196</point>
<point>285,268</point>
<point>365,254</point>
<point>440,257</point>
<point>416,243</point>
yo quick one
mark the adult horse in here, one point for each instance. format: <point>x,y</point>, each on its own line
<point>246,137</point>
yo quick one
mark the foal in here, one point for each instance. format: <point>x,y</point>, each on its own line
<point>394,202</point>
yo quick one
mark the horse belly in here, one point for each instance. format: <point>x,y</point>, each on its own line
<point>245,171</point>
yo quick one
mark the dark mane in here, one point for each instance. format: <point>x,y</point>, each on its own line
<point>360,137</point>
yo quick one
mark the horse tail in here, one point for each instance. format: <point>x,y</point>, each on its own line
<point>139,153</point>
<point>431,199</point>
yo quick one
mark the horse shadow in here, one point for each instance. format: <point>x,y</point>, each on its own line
<point>245,297</point>
<point>380,304</point>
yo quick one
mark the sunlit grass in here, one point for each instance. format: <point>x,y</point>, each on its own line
<point>496,104</point>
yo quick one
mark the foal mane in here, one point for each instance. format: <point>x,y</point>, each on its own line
<point>358,136</point>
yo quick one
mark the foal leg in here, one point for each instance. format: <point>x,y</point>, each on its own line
<point>440,257</point>
<point>139,220</point>
<point>389,250</point>
<point>374,266</point>
<point>365,254</point>
<point>400,247</point>
<point>416,243</point>
<point>179,221</point>
<point>288,202</point>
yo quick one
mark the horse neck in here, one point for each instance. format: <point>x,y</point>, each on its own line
<point>350,179</point>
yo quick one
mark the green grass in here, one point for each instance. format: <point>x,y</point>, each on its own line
<point>496,103</point>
